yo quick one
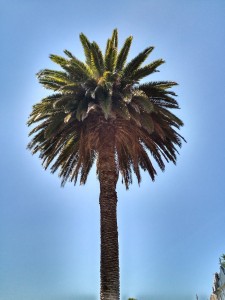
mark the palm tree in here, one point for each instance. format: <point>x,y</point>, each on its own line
<point>100,111</point>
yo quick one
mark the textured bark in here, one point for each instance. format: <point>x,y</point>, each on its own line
<point>110,287</point>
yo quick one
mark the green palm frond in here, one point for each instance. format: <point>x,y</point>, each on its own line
<point>97,59</point>
<point>59,60</point>
<point>110,57</point>
<point>147,70</point>
<point>108,46</point>
<point>41,111</point>
<point>70,147</point>
<point>136,62</point>
<point>122,56</point>
<point>52,74</point>
<point>158,86</point>
<point>77,70</point>
<point>69,54</point>
<point>113,42</point>
<point>86,47</point>
<point>163,85</point>
<point>80,70</point>
<point>115,38</point>
<point>54,125</point>
<point>53,79</point>
<point>159,96</point>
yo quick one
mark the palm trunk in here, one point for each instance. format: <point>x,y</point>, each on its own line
<point>110,286</point>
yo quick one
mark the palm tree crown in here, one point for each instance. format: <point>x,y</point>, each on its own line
<point>104,90</point>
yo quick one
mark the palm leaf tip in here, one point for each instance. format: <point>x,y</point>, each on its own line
<point>148,50</point>
<point>58,59</point>
<point>69,54</point>
<point>115,38</point>
<point>86,47</point>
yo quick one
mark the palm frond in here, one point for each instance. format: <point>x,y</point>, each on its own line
<point>115,38</point>
<point>59,60</point>
<point>174,120</point>
<point>53,126</point>
<point>147,123</point>
<point>104,97</point>
<point>81,111</point>
<point>136,62</point>
<point>86,47</point>
<point>53,79</point>
<point>144,103</point>
<point>87,167</point>
<point>97,59</point>
<point>147,70</point>
<point>124,162</point>
<point>163,85</point>
<point>120,107</point>
<point>159,96</point>
<point>145,163</point>
<point>110,57</point>
<point>80,70</point>
<point>122,56</point>
<point>69,54</point>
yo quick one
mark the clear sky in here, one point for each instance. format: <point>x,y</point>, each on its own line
<point>171,232</point>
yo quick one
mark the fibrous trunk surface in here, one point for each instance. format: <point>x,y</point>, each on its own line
<point>108,209</point>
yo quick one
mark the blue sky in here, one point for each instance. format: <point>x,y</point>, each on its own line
<point>171,232</point>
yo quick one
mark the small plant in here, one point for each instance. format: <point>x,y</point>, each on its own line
<point>222,260</point>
